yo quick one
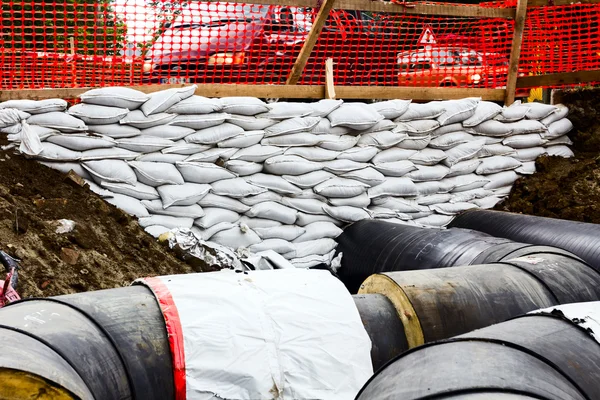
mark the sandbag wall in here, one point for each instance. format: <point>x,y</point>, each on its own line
<point>286,176</point>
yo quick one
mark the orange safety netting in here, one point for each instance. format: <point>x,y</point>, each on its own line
<point>80,43</point>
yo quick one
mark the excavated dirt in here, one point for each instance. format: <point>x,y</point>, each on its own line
<point>106,249</point>
<point>566,188</point>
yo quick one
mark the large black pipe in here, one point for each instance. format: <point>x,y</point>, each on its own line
<point>539,356</point>
<point>371,247</point>
<point>579,238</point>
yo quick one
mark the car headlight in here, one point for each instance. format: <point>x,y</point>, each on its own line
<point>475,78</point>
<point>227,58</point>
<point>148,67</point>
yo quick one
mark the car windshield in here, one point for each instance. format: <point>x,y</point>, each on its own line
<point>204,14</point>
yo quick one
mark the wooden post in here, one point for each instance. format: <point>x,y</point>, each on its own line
<point>311,39</point>
<point>329,86</point>
<point>515,52</point>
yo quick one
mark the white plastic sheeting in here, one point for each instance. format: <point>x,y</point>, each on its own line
<point>586,315</point>
<point>284,334</point>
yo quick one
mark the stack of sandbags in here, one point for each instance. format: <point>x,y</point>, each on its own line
<point>287,176</point>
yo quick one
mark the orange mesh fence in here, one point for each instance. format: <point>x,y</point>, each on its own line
<point>81,43</point>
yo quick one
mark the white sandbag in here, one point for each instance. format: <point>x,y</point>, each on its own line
<point>449,140</point>
<point>284,232</point>
<point>309,194</point>
<point>513,113</point>
<point>324,128</point>
<point>195,105</point>
<point>274,211</point>
<point>137,191</point>
<point>249,123</point>
<point>561,112</point>
<point>110,171</point>
<point>292,140</point>
<point>466,182</point>
<point>378,212</point>
<point>526,168</point>
<point>558,129</point>
<point>394,187</point>
<point>358,154</point>
<point>361,201</point>
<point>279,246</point>
<point>393,154</point>
<point>435,220</point>
<point>484,111</point>
<point>312,247</point>
<point>156,207</point>
<point>161,157</point>
<point>564,140</point>
<point>560,151</point>
<point>305,219</point>
<point>198,172</point>
<point>526,126</point>
<point>243,140</point>
<point>488,202</point>
<point>206,234</point>
<point>339,167</point>
<point>502,191</point>
<point>309,180</point>
<point>236,237</point>
<point>66,167</point>
<point>501,179</point>
<point>243,168</point>
<point>115,131</point>
<point>323,108</point>
<point>415,142</point>
<point>161,101</point>
<point>431,199</point>
<point>99,115</point>
<point>144,144</point>
<point>428,157</point>
<point>391,108</point>
<point>369,176</point>
<point>442,130</point>
<point>383,125</point>
<point>462,152</point>
<point>113,153</point>
<point>308,206</point>
<point>200,121</point>
<point>130,206</point>
<point>346,213</point>
<point>452,208</point>
<point>354,115</point>
<point>274,183</point>
<point>312,261</point>
<point>419,127</point>
<point>30,142</point>
<point>338,143</point>
<point>493,140</point>
<point>58,120</point>
<point>212,155</point>
<point>14,129</point>
<point>427,188</point>
<point>524,141</point>
<point>458,110</point>
<point>236,188</point>
<point>139,120</point>
<point>399,204</point>
<point>497,149</point>
<point>529,154</point>
<point>156,174</point>
<point>213,200</point>
<point>492,165</point>
<point>313,153</point>
<point>469,195</point>
<point>318,230</point>
<point>214,215</point>
<point>254,223</point>
<point>261,197</point>
<point>429,110</point>
<point>493,128</point>
<point>121,97</point>
<point>182,195</point>
<point>170,132</point>
<point>381,140</point>
<point>425,173</point>
<point>11,116</point>
<point>167,221</point>
<point>395,168</point>
<point>539,111</point>
<point>286,110</point>
<point>292,125</point>
<point>340,187</point>
<point>244,105</point>
<point>257,153</point>
<point>290,165</point>
<point>156,230</point>
<point>463,167</point>
<point>36,106</point>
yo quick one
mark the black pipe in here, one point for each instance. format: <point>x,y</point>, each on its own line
<point>371,247</point>
<point>580,238</point>
<point>539,356</point>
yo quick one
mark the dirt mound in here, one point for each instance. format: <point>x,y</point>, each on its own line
<point>106,249</point>
<point>566,188</point>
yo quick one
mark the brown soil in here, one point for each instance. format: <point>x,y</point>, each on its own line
<point>566,188</point>
<point>106,249</point>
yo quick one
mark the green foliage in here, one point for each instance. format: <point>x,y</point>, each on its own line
<point>47,26</point>
<point>167,13</point>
